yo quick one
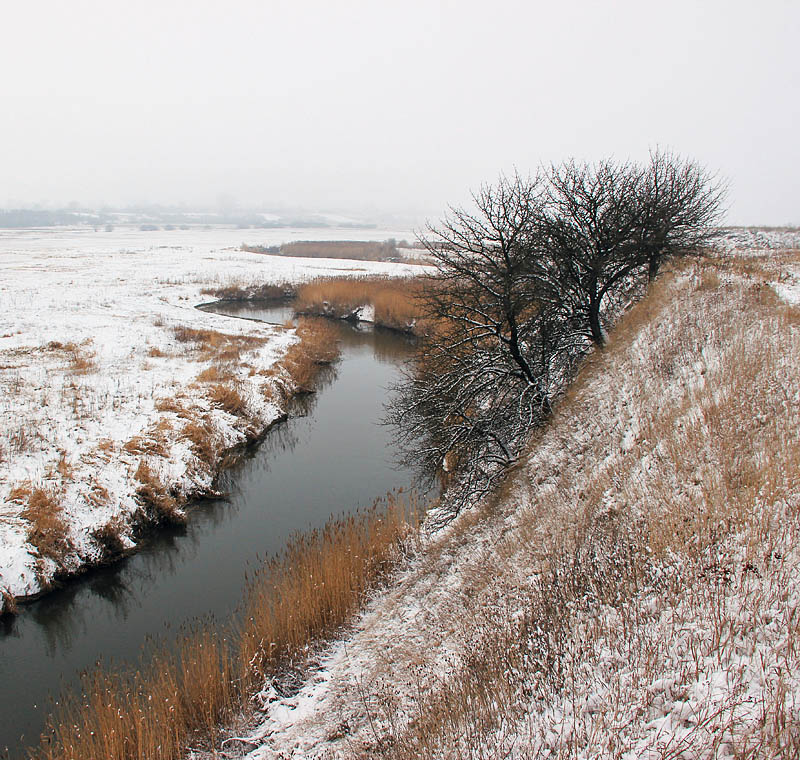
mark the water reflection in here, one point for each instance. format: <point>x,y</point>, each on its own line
<point>331,456</point>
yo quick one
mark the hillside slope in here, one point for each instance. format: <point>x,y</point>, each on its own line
<point>634,590</point>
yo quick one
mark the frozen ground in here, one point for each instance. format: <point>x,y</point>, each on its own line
<point>111,381</point>
<point>634,590</point>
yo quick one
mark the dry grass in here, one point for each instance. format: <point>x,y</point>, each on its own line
<point>317,348</point>
<point>319,579</point>
<point>215,374</point>
<point>215,345</point>
<point>146,445</point>
<point>174,406</point>
<point>8,604</point>
<point>654,542</point>
<point>184,694</point>
<point>109,537</point>
<point>201,434</point>
<point>239,291</point>
<point>341,249</point>
<point>159,504</point>
<point>228,397</point>
<point>47,532</point>
<point>394,299</point>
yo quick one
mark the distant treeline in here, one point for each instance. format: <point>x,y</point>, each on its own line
<point>152,218</point>
<point>39,218</point>
<point>335,249</point>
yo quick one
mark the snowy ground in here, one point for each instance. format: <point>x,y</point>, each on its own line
<point>633,592</point>
<point>105,388</point>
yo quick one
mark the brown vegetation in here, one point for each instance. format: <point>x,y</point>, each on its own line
<point>237,291</point>
<point>172,405</point>
<point>200,432</point>
<point>159,504</point>
<point>342,249</point>
<point>605,559</point>
<point>109,537</point>
<point>304,593</point>
<point>47,532</point>
<point>394,299</point>
<point>318,347</point>
<point>227,397</point>
<point>212,344</point>
<point>150,445</point>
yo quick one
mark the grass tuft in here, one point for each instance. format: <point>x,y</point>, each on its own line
<point>48,531</point>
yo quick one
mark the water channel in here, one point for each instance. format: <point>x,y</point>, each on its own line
<point>332,457</point>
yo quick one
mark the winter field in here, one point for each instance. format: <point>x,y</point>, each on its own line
<point>634,589</point>
<point>117,396</point>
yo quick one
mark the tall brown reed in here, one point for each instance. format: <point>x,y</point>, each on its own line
<point>318,347</point>
<point>319,580</point>
<point>184,693</point>
<point>394,299</point>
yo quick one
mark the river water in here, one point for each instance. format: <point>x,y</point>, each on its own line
<point>332,456</point>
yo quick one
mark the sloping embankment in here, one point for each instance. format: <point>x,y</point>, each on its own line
<point>634,589</point>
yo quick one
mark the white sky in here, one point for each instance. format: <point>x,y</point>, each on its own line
<point>397,108</point>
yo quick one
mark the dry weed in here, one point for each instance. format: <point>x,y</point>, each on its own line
<point>203,439</point>
<point>318,347</point>
<point>48,532</point>
<point>158,503</point>
<point>228,398</point>
<point>394,299</point>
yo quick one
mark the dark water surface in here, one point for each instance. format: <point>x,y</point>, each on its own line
<point>335,459</point>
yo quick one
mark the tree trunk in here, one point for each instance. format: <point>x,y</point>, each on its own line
<point>598,336</point>
<point>652,268</point>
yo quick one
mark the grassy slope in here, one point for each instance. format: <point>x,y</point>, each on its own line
<point>633,591</point>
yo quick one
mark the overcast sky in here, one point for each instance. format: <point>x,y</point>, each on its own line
<point>390,108</point>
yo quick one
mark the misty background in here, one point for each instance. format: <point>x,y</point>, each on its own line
<point>388,110</point>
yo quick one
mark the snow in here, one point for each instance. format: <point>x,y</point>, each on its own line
<point>89,353</point>
<point>698,660</point>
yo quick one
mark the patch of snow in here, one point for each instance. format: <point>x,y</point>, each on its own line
<point>96,376</point>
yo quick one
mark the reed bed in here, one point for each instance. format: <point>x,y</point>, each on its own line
<point>317,348</point>
<point>184,693</point>
<point>321,577</point>
<point>395,300</point>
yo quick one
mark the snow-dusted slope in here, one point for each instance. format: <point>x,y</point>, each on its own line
<point>111,382</point>
<point>633,592</point>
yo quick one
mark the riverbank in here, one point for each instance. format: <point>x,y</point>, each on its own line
<point>632,589</point>
<point>120,399</point>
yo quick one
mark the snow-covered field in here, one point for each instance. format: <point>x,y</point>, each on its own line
<point>112,383</point>
<point>634,590</point>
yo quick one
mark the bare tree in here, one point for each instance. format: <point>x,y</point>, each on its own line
<point>681,203</point>
<point>487,370</point>
<point>525,282</point>
<point>603,226</point>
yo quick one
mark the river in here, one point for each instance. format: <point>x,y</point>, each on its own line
<point>331,456</point>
